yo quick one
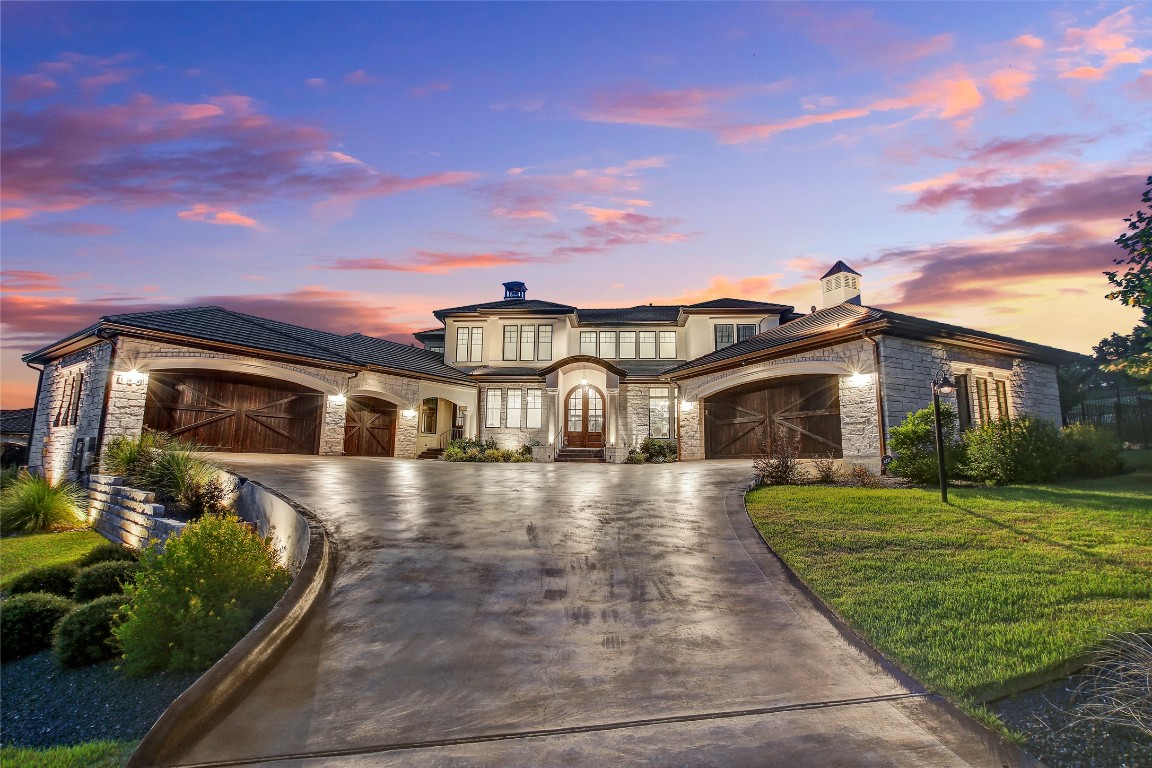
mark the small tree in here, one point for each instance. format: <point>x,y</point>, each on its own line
<point>914,445</point>
<point>1132,354</point>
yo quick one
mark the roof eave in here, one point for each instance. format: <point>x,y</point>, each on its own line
<point>63,346</point>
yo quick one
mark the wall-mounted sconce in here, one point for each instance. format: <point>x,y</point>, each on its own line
<point>858,379</point>
<point>131,377</point>
<point>408,413</point>
<point>687,405</point>
<point>337,399</point>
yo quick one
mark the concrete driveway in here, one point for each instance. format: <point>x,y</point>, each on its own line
<point>565,615</point>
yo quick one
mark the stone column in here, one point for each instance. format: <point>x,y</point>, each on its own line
<point>332,432</point>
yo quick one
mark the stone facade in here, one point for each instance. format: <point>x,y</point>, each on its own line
<point>332,428</point>
<point>64,416</point>
<point>126,515</point>
<point>405,393</point>
<point>515,437</point>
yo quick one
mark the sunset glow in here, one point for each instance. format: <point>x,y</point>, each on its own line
<point>354,166</point>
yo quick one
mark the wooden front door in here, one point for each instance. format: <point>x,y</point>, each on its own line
<point>369,427</point>
<point>803,408</point>
<point>584,418</point>
<point>235,412</point>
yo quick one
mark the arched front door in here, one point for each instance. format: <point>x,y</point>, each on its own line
<point>584,417</point>
<point>369,427</point>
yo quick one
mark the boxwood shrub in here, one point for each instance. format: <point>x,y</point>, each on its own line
<point>84,636</point>
<point>53,579</point>
<point>104,553</point>
<point>107,578</point>
<point>914,445</point>
<point>27,622</point>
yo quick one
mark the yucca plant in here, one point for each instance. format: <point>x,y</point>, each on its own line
<point>31,503</point>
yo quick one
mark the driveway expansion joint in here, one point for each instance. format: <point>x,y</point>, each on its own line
<point>570,730</point>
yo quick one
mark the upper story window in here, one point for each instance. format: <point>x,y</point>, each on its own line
<point>527,342</point>
<point>469,345</point>
<point>608,344</point>
<point>745,331</point>
<point>588,343</point>
<point>725,335</point>
<point>647,344</point>
<point>667,345</point>
<point>627,346</point>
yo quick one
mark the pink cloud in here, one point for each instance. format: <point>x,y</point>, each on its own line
<point>1010,84</point>
<point>75,228</point>
<point>1109,43</point>
<point>1029,41</point>
<point>209,214</point>
<point>360,77</point>
<point>434,262</point>
<point>428,89</point>
<point>856,35</point>
<point>27,87</point>
<point>315,82</point>
<point>146,152</point>
<point>29,281</point>
<point>1002,150</point>
<point>639,105</point>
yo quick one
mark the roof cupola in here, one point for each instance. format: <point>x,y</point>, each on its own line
<point>840,284</point>
<point>515,290</point>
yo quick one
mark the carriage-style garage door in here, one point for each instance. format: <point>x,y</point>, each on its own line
<point>369,427</point>
<point>235,412</point>
<point>804,408</point>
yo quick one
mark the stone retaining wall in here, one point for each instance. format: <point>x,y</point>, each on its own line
<point>125,515</point>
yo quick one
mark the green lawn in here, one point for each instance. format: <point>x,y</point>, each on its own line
<point>94,754</point>
<point>973,596</point>
<point>20,553</point>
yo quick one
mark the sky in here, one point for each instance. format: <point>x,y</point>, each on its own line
<point>354,166</point>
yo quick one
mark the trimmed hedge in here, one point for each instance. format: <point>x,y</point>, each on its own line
<point>105,553</point>
<point>53,579</point>
<point>84,636</point>
<point>27,622</point>
<point>108,578</point>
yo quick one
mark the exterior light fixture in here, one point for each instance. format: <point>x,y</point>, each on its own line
<point>858,379</point>
<point>687,405</point>
<point>941,385</point>
<point>408,413</point>
<point>130,377</point>
<point>583,379</point>
<point>337,399</point>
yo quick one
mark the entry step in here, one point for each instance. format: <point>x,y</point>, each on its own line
<point>581,455</point>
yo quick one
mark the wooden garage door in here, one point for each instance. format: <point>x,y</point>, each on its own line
<point>804,407</point>
<point>369,427</point>
<point>235,412</point>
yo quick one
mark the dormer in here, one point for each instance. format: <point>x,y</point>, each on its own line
<point>515,290</point>
<point>840,284</point>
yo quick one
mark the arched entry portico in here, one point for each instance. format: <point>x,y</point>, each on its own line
<point>584,416</point>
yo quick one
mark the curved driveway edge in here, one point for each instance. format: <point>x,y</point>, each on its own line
<point>230,678</point>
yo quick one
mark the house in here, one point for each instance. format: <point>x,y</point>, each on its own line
<point>521,370</point>
<point>15,430</point>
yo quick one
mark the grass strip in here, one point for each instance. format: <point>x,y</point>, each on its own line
<point>93,754</point>
<point>977,596</point>
<point>22,552</point>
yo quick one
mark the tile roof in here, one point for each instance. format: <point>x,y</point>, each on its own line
<point>515,305</point>
<point>645,313</point>
<point>647,367</point>
<point>16,422</point>
<point>225,326</point>
<point>766,306</point>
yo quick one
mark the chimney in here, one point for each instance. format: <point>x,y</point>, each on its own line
<point>515,290</point>
<point>839,285</point>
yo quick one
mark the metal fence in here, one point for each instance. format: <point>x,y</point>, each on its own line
<point>1128,412</point>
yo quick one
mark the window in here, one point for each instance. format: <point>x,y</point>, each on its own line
<point>588,343</point>
<point>545,349</point>
<point>647,344</point>
<point>492,408</point>
<point>724,336</point>
<point>982,399</point>
<point>627,344</point>
<point>511,332</point>
<point>667,345</point>
<point>515,396</point>
<point>436,348</point>
<point>428,416</point>
<point>1002,399</point>
<point>608,344</point>
<point>527,342</point>
<point>659,412</point>
<point>963,403</point>
<point>534,404</point>
<point>595,411</point>
<point>68,410</point>
<point>745,331</point>
<point>477,344</point>
<point>469,345</point>
<point>576,411</point>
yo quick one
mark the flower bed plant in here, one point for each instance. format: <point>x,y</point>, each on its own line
<point>467,449</point>
<point>188,484</point>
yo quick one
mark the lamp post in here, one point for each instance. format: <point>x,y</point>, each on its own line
<point>941,385</point>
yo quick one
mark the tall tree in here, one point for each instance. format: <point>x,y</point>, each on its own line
<point>1132,354</point>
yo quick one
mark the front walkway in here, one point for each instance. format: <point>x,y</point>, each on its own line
<point>565,615</point>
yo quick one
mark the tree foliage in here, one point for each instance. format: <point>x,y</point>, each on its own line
<point>1132,354</point>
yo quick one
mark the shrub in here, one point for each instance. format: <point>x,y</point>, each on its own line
<point>31,503</point>
<point>1024,450</point>
<point>776,461</point>
<point>634,457</point>
<point>105,553</point>
<point>914,446</point>
<point>129,457</point>
<point>84,636</point>
<point>864,477</point>
<point>825,468</point>
<point>493,454</point>
<point>27,621</point>
<point>192,601</point>
<point>658,450</point>
<point>52,579</point>
<point>1115,689</point>
<point>103,579</point>
<point>453,453</point>
<point>170,468</point>
<point>1090,452</point>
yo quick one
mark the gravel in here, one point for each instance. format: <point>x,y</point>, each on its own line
<point>1059,739</point>
<point>46,706</point>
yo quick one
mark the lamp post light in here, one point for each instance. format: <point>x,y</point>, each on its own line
<point>941,385</point>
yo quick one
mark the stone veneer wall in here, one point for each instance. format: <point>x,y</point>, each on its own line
<point>126,515</point>
<point>50,446</point>
<point>405,393</point>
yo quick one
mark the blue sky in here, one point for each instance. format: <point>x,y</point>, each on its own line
<point>354,166</point>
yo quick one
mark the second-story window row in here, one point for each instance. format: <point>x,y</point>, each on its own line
<point>527,342</point>
<point>629,345</point>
